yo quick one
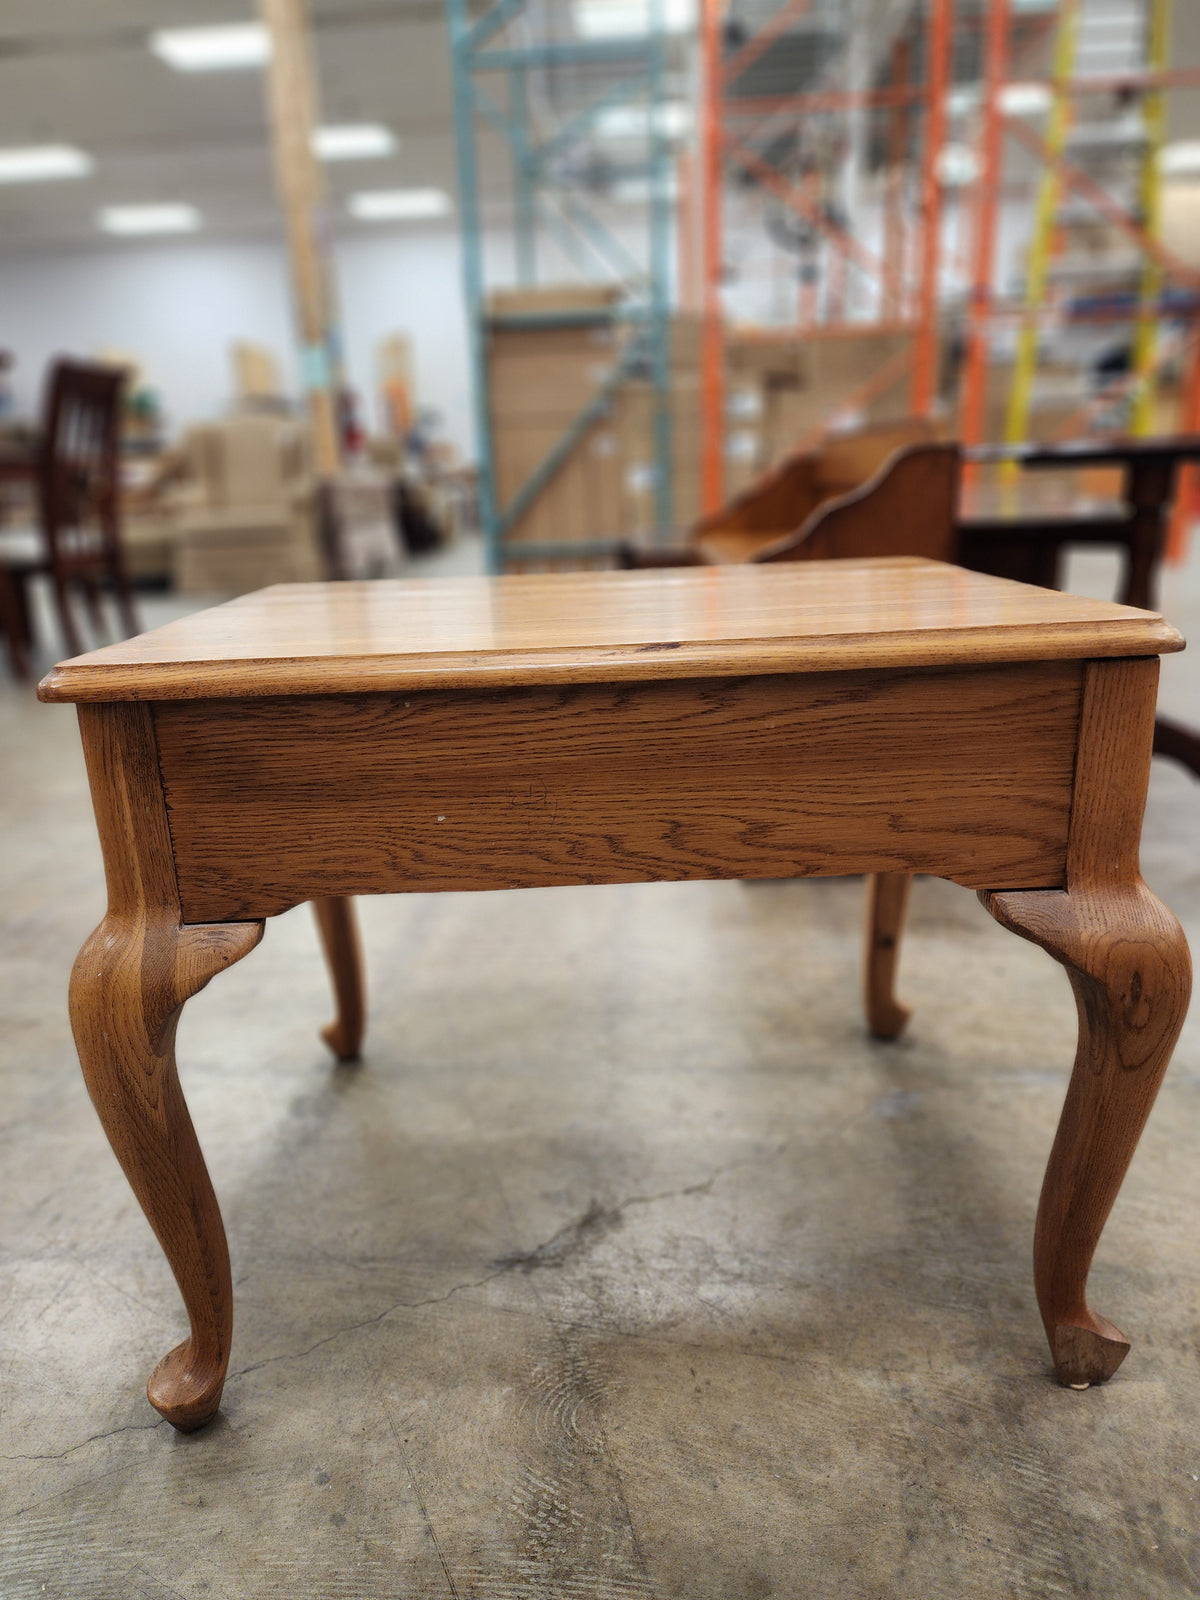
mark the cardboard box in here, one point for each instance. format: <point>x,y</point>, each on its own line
<point>554,299</point>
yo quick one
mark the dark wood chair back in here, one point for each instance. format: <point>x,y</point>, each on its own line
<point>78,486</point>
<point>79,466</point>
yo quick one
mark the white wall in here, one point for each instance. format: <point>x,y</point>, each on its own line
<point>409,282</point>
<point>178,305</point>
<point>174,306</point>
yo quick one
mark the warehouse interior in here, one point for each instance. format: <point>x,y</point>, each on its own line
<point>632,1254</point>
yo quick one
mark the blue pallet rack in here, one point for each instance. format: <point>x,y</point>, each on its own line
<point>479,56</point>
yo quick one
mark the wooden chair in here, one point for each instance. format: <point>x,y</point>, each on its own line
<point>77,483</point>
<point>14,625</point>
<point>906,508</point>
<point>786,499</point>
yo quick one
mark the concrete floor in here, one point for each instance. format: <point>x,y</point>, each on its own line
<point>625,1265</point>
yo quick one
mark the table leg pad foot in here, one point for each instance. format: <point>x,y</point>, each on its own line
<point>1087,1355</point>
<point>339,1039</point>
<point>185,1389</point>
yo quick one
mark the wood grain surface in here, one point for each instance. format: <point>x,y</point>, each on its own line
<point>1128,964</point>
<point>127,989</point>
<point>343,638</point>
<point>966,773</point>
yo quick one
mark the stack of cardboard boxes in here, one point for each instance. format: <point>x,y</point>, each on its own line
<point>548,352</point>
<point>551,350</point>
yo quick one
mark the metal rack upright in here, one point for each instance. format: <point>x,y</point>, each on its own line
<point>519,43</point>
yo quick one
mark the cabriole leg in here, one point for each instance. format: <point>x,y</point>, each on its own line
<point>127,990</point>
<point>338,927</point>
<point>1128,963</point>
<point>887,900</point>
<point>128,987</point>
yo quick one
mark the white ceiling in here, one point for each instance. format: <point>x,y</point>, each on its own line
<point>81,74</point>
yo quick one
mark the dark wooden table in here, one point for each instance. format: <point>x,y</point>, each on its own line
<point>1020,530</point>
<point>1025,525</point>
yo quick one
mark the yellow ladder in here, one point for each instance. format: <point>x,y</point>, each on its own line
<point>1154,116</point>
<point>1044,225</point>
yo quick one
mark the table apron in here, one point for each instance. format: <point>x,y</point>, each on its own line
<point>965,772</point>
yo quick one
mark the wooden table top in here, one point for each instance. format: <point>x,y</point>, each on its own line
<point>587,627</point>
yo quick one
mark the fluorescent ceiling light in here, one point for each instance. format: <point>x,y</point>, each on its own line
<point>40,163</point>
<point>159,218</point>
<point>1180,159</point>
<point>672,119</point>
<point>353,141</point>
<point>1025,99</point>
<point>222,49</point>
<point>399,205</point>
<point>957,166</point>
<point>616,19</point>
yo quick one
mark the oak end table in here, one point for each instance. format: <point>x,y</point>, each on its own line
<point>319,741</point>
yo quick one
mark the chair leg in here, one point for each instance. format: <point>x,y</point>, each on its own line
<point>887,899</point>
<point>14,626</point>
<point>95,610</point>
<point>66,620</point>
<point>338,928</point>
<point>126,608</point>
<point>128,611</point>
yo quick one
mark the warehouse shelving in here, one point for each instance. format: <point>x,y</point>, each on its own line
<point>505,58</point>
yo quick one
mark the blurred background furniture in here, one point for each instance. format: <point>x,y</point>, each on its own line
<point>1011,530</point>
<point>244,508</point>
<point>785,498</point>
<point>873,493</point>
<point>13,626</point>
<point>906,507</point>
<point>75,472</point>
<point>1020,530</point>
<point>358,526</point>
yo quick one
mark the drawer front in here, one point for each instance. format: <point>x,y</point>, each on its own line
<point>961,772</point>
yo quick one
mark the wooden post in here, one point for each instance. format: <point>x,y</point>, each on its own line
<point>712,349</point>
<point>291,104</point>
